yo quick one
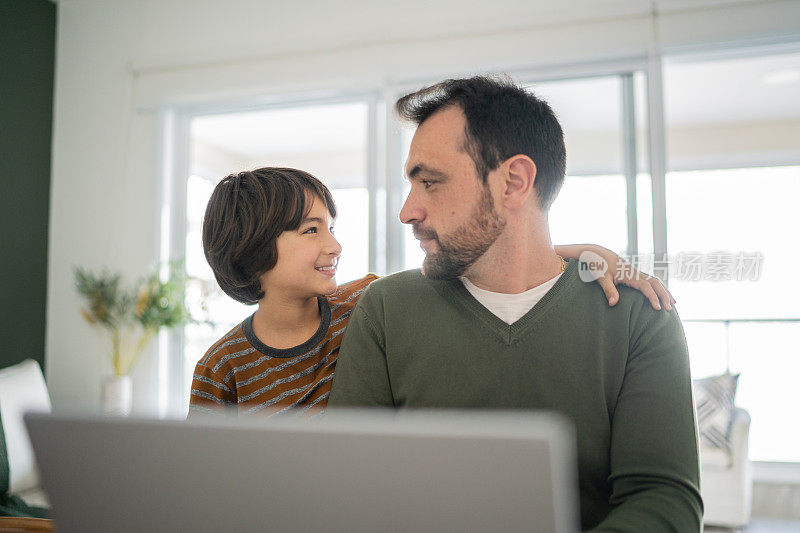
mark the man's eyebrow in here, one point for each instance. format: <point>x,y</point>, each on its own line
<point>421,168</point>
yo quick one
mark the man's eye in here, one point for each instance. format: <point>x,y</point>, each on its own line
<point>427,183</point>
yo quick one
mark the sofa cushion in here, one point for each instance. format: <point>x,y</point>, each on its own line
<point>22,389</point>
<point>714,458</point>
<point>34,498</point>
<point>714,398</point>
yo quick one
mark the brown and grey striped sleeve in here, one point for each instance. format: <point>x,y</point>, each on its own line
<point>212,393</point>
<point>209,392</point>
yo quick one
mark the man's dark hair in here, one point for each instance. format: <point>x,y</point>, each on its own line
<point>503,120</point>
<point>246,214</point>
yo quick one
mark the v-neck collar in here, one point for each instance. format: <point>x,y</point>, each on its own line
<point>455,291</point>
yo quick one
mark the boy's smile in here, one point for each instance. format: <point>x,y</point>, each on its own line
<point>329,270</point>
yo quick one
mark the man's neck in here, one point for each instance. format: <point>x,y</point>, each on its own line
<point>520,259</point>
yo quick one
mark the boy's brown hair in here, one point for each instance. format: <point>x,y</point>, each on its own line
<point>247,212</point>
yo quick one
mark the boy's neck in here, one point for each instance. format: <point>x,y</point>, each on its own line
<point>286,322</point>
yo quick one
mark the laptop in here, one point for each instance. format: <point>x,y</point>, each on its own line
<point>346,471</point>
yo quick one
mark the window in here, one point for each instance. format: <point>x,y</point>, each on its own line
<point>732,130</point>
<point>592,205</point>
<point>329,141</point>
<point>733,172</point>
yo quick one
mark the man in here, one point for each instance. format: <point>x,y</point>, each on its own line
<point>496,319</point>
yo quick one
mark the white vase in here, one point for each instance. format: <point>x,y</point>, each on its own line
<point>117,396</point>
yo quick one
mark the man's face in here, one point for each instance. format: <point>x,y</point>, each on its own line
<point>451,211</point>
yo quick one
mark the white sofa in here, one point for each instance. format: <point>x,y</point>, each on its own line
<point>22,389</point>
<point>726,481</point>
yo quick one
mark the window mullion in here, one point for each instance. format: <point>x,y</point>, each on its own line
<point>657,145</point>
<point>628,128</point>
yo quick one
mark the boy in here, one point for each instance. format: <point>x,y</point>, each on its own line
<point>268,237</point>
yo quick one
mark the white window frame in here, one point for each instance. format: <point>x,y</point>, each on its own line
<point>763,471</point>
<point>385,180</point>
<point>173,154</point>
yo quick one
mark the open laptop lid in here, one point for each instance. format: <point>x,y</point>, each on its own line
<point>348,471</point>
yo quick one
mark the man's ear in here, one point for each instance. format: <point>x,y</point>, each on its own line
<point>519,178</point>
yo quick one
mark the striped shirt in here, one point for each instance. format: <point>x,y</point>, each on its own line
<point>239,373</point>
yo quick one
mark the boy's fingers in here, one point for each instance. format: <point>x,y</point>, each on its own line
<point>661,291</point>
<point>612,295</point>
<point>645,287</point>
<point>672,299</point>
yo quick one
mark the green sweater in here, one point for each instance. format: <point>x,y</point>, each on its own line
<point>620,373</point>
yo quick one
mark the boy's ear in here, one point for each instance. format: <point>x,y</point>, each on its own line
<point>519,177</point>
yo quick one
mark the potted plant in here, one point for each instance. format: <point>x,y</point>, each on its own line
<point>130,318</point>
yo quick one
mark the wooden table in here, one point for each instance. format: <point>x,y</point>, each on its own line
<point>19,525</point>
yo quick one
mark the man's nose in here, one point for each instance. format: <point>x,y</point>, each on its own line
<point>411,211</point>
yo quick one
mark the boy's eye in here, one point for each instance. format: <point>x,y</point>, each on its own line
<point>311,230</point>
<point>332,230</point>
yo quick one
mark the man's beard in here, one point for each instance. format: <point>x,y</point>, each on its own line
<point>459,250</point>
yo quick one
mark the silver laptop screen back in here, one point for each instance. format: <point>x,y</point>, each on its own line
<point>349,472</point>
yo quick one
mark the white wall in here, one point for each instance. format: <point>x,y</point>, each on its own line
<point>117,61</point>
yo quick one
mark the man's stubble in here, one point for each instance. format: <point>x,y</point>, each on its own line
<point>459,250</point>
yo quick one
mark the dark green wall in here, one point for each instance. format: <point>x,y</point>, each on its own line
<point>27,55</point>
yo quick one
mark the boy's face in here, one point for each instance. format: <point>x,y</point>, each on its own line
<point>307,258</point>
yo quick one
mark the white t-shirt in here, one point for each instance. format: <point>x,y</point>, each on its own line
<point>509,307</point>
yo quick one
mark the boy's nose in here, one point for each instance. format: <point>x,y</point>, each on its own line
<point>334,248</point>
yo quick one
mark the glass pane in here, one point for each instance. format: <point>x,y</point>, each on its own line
<point>591,209</point>
<point>591,206</point>
<point>710,340</point>
<point>329,141</point>
<point>351,232</point>
<point>733,113</point>
<point>732,130</point>
<point>644,185</point>
<point>767,358</point>
<point>644,214</point>
<point>592,132</point>
<point>740,348</point>
<point>729,224</point>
